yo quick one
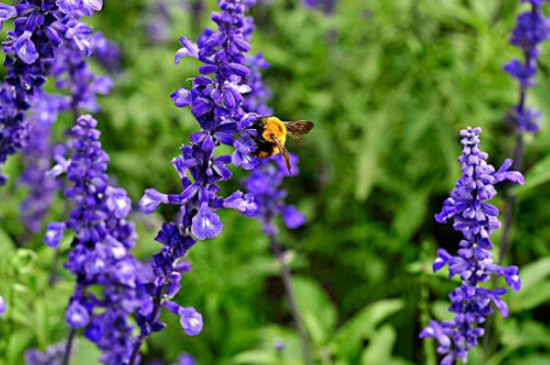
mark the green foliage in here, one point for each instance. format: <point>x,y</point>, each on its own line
<point>389,85</point>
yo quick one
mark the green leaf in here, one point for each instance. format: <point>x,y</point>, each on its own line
<point>528,299</point>
<point>530,360</point>
<point>17,343</point>
<point>7,246</point>
<point>535,290</point>
<point>380,348</point>
<point>318,312</point>
<point>255,357</point>
<point>536,176</point>
<point>84,353</point>
<point>534,272</point>
<point>363,325</point>
<point>373,143</point>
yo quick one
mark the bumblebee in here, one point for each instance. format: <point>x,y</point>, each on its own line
<point>272,133</point>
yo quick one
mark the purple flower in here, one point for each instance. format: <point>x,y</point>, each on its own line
<point>185,359</point>
<point>37,160</point>
<point>256,100</point>
<point>6,12</point>
<point>326,6</point>
<point>100,254</point>
<point>54,234</point>
<point>79,7</point>
<point>190,320</point>
<point>206,224</point>
<point>264,184</point>
<point>52,356</point>
<point>477,220</point>
<point>159,18</point>
<point>73,76</point>
<point>3,306</point>
<point>216,101</point>
<point>39,31</point>
<point>189,49</point>
<point>106,52</point>
<point>77,315</point>
<point>532,29</point>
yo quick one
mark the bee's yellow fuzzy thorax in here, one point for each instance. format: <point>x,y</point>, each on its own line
<point>274,126</point>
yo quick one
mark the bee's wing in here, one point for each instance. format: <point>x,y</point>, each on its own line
<point>298,128</point>
<point>284,152</point>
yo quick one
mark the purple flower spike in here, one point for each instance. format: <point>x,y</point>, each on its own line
<point>41,30</point>
<point>216,99</point>
<point>532,29</point>
<point>264,185</point>
<point>100,254</point>
<point>477,220</point>
<point>37,159</point>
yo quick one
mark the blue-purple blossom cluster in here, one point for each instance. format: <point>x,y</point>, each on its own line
<point>256,100</point>
<point>264,184</point>
<point>52,356</point>
<point>157,25</point>
<point>477,220</point>
<point>37,157</point>
<point>40,28</point>
<point>100,250</point>
<point>531,30</point>
<point>78,86</point>
<point>74,77</point>
<point>326,6</point>
<point>216,101</point>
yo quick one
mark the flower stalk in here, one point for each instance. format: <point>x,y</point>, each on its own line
<point>531,30</point>
<point>286,275</point>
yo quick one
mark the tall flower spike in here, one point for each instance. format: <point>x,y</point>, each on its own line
<point>100,251</point>
<point>78,86</point>
<point>37,158</point>
<point>41,26</point>
<point>477,219</point>
<point>216,101</point>
<point>532,29</point>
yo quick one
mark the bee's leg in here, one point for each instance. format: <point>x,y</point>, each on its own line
<point>283,150</point>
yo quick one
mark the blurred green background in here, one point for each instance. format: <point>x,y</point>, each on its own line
<point>389,85</point>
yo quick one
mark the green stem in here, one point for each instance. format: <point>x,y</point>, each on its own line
<point>287,281</point>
